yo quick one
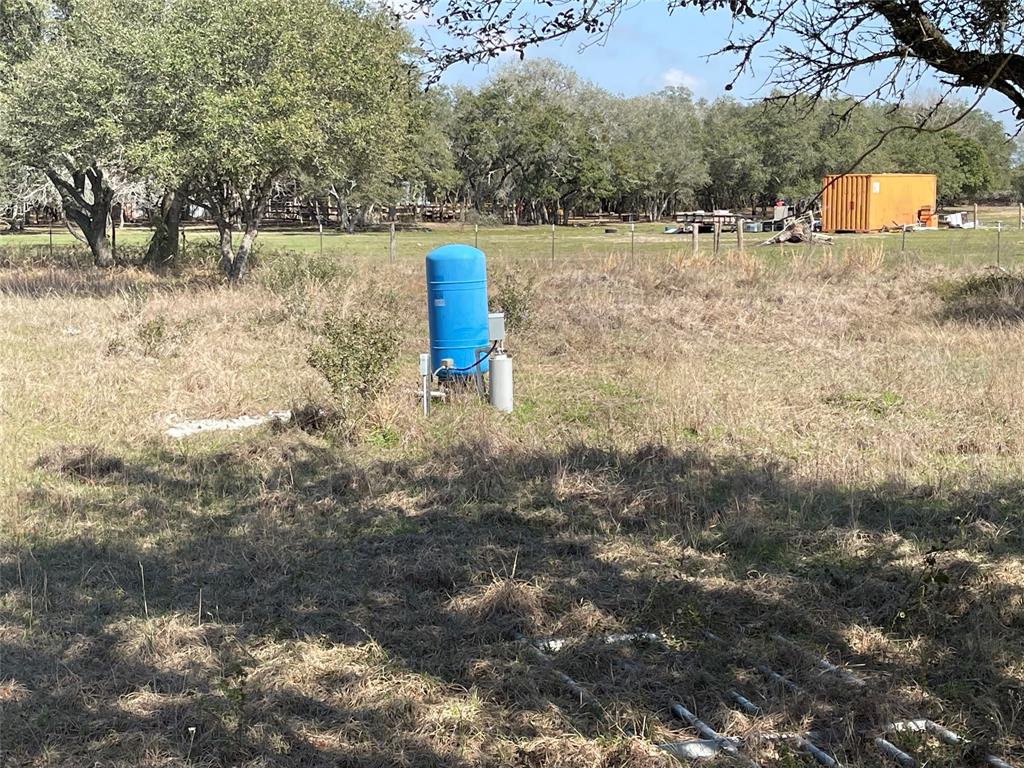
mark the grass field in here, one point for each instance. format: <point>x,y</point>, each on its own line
<point>764,458</point>
<point>954,248</point>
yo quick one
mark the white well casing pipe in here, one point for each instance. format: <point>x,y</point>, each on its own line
<point>501,382</point>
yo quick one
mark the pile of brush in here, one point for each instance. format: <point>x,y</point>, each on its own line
<point>799,229</point>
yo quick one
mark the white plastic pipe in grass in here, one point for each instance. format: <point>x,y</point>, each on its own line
<point>556,644</point>
<point>744,703</point>
<point>823,757</point>
<point>891,750</point>
<point>782,680</point>
<point>578,690</point>
<point>942,733</point>
<point>843,674</point>
<point>764,669</point>
<point>699,749</point>
<point>801,740</point>
<point>693,749</point>
<point>728,745</point>
<point>929,726</point>
<point>823,664</point>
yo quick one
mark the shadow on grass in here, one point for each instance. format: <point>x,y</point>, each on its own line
<point>276,604</point>
<point>993,296</point>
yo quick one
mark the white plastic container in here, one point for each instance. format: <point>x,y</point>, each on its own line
<point>501,382</point>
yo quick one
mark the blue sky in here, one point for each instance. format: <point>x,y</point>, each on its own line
<point>648,48</point>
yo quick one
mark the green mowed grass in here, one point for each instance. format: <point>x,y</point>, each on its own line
<point>948,247</point>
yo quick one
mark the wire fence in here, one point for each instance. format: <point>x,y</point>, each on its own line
<point>984,246</point>
<point>543,245</point>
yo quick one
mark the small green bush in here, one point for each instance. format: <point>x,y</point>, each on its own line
<point>152,336</point>
<point>516,295</point>
<point>356,349</point>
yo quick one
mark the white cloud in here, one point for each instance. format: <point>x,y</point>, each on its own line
<point>412,13</point>
<point>677,78</point>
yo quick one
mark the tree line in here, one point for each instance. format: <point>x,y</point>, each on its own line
<point>178,105</point>
<point>536,143</point>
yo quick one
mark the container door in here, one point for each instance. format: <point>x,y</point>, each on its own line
<point>845,203</point>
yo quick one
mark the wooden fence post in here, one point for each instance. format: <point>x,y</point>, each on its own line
<point>975,215</point>
<point>694,235</point>
<point>391,243</point>
<point>739,233</point>
<point>718,234</point>
<point>1020,215</point>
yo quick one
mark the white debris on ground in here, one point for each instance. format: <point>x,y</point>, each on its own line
<point>188,428</point>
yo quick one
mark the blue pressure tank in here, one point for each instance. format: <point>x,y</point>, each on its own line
<point>457,306</point>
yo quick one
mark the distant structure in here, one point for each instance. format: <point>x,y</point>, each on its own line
<point>874,202</point>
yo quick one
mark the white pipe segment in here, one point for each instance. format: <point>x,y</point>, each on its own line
<point>891,750</point>
<point>705,730</point>
<point>780,679</point>
<point>745,704</point>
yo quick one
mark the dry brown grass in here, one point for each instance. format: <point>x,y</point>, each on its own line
<point>816,449</point>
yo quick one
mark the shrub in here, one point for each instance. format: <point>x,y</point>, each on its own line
<point>285,271</point>
<point>356,349</point>
<point>515,296</point>
<point>152,336</point>
<point>199,253</point>
<point>992,296</point>
<point>474,216</point>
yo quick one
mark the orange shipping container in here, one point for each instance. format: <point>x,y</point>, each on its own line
<point>869,202</point>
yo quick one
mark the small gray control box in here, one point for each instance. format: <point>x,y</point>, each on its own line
<point>496,326</point>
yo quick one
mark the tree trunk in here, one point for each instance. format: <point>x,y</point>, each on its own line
<point>254,207</point>
<point>99,244</point>
<point>241,263</point>
<point>163,246</point>
<point>87,199</point>
<point>227,248</point>
<point>94,231</point>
